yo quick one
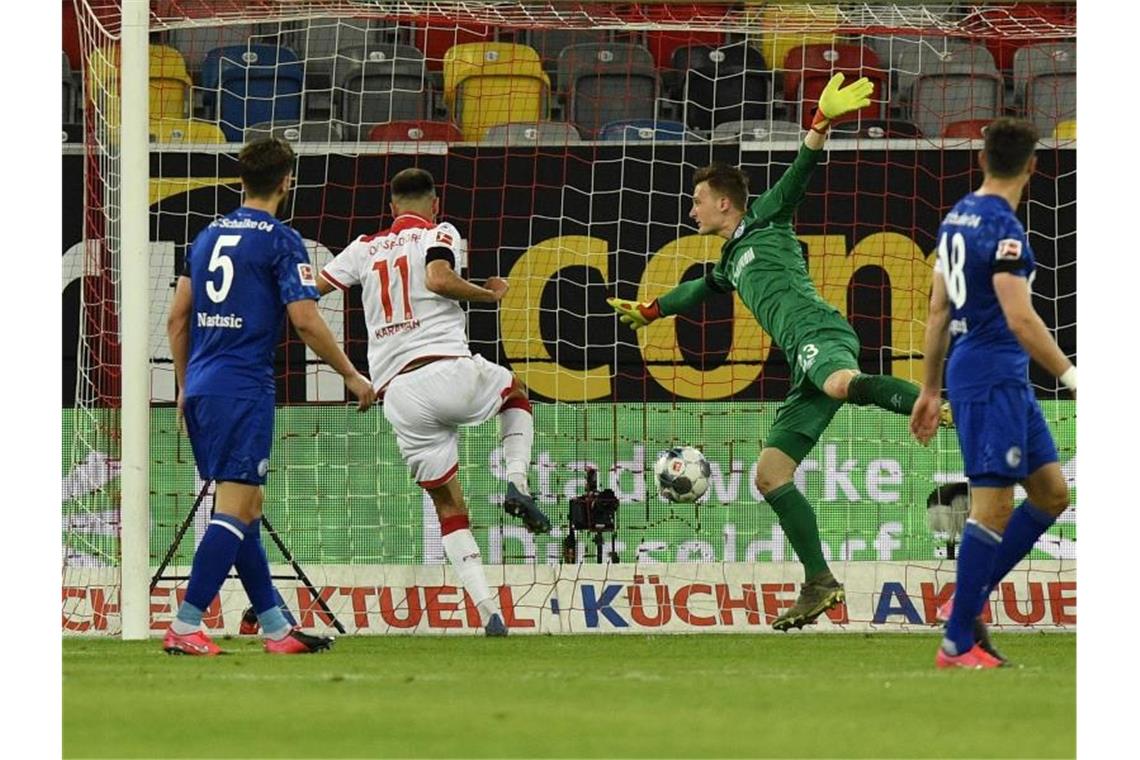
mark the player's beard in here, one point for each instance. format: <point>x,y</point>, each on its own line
<point>283,208</point>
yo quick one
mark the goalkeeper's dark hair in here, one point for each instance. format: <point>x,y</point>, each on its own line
<point>264,163</point>
<point>725,180</point>
<point>1009,146</point>
<point>411,185</point>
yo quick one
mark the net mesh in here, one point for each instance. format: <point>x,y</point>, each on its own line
<point>563,138</point>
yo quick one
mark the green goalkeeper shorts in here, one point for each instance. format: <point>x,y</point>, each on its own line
<point>807,411</point>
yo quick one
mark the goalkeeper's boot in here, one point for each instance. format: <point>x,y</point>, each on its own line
<point>976,659</point>
<point>817,596</point>
<point>298,642</point>
<point>197,643</point>
<point>522,506</point>
<point>495,626</point>
<point>981,632</point>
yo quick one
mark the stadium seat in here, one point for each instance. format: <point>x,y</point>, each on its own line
<point>962,85</point>
<point>1065,130</point>
<point>195,42</point>
<point>1051,99</point>
<point>185,131</point>
<point>808,68</point>
<point>723,84</point>
<point>73,134</point>
<point>252,84</point>
<point>549,43</point>
<point>169,83</point>
<point>607,82</point>
<point>785,27</point>
<point>377,84</point>
<point>973,129</point>
<point>305,131</point>
<point>320,40</point>
<point>915,56</point>
<point>435,41</point>
<point>661,44</point>
<point>876,129</point>
<point>643,130</point>
<point>765,130</point>
<point>1044,59</point>
<point>533,133</point>
<point>488,83</point>
<point>416,131</point>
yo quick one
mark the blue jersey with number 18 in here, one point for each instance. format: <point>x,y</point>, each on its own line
<point>980,237</point>
<point>244,269</point>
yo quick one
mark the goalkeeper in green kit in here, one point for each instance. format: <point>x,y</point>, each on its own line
<point>762,260</point>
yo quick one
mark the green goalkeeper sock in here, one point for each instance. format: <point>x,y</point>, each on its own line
<point>885,391</point>
<point>797,518</point>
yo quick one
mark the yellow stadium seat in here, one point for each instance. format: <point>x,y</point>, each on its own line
<point>788,26</point>
<point>489,83</point>
<point>1065,130</point>
<point>170,84</point>
<point>185,131</point>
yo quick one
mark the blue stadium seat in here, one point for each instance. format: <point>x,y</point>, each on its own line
<point>252,84</point>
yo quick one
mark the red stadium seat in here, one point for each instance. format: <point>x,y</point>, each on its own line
<point>416,131</point>
<point>973,129</point>
<point>808,68</point>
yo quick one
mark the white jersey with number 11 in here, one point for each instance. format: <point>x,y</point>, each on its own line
<point>405,320</point>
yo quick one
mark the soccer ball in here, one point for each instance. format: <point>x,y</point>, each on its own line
<point>682,474</point>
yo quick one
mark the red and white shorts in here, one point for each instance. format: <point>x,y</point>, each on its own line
<point>427,405</point>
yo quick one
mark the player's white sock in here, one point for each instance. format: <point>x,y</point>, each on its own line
<point>463,553</point>
<point>516,433</point>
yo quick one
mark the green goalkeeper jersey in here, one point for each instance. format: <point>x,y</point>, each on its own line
<point>764,263</point>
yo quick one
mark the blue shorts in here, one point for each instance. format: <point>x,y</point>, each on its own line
<point>231,437</point>
<point>1003,435</point>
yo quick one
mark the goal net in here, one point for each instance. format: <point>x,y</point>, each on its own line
<point>563,138</point>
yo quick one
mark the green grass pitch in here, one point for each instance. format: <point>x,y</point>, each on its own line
<point>581,696</point>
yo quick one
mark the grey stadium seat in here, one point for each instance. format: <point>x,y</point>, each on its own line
<point>379,83</point>
<point>763,130</point>
<point>1042,59</point>
<point>533,133</point>
<point>310,131</point>
<point>1051,99</point>
<point>954,92</point>
<point>607,82</point>
<point>549,43</point>
<point>914,57</point>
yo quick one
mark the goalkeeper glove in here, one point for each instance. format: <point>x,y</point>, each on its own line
<point>836,100</point>
<point>636,315</point>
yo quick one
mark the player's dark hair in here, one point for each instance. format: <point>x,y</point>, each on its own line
<point>412,184</point>
<point>725,180</point>
<point>1009,146</point>
<point>265,162</point>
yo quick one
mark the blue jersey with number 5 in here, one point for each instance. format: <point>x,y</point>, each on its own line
<point>244,269</point>
<point>980,237</point>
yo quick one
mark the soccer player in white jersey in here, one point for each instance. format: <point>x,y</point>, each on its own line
<point>421,366</point>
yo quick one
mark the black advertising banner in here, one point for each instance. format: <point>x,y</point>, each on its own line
<point>571,226</point>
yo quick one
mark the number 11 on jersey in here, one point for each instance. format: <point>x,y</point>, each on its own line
<point>381,268</point>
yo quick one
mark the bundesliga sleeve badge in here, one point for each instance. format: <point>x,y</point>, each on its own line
<point>1008,250</point>
<point>305,273</point>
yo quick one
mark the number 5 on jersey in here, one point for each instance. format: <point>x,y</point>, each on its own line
<point>952,262</point>
<point>219,260</point>
<point>381,268</point>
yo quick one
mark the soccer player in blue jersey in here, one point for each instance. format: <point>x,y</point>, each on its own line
<point>243,274</point>
<point>981,311</point>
